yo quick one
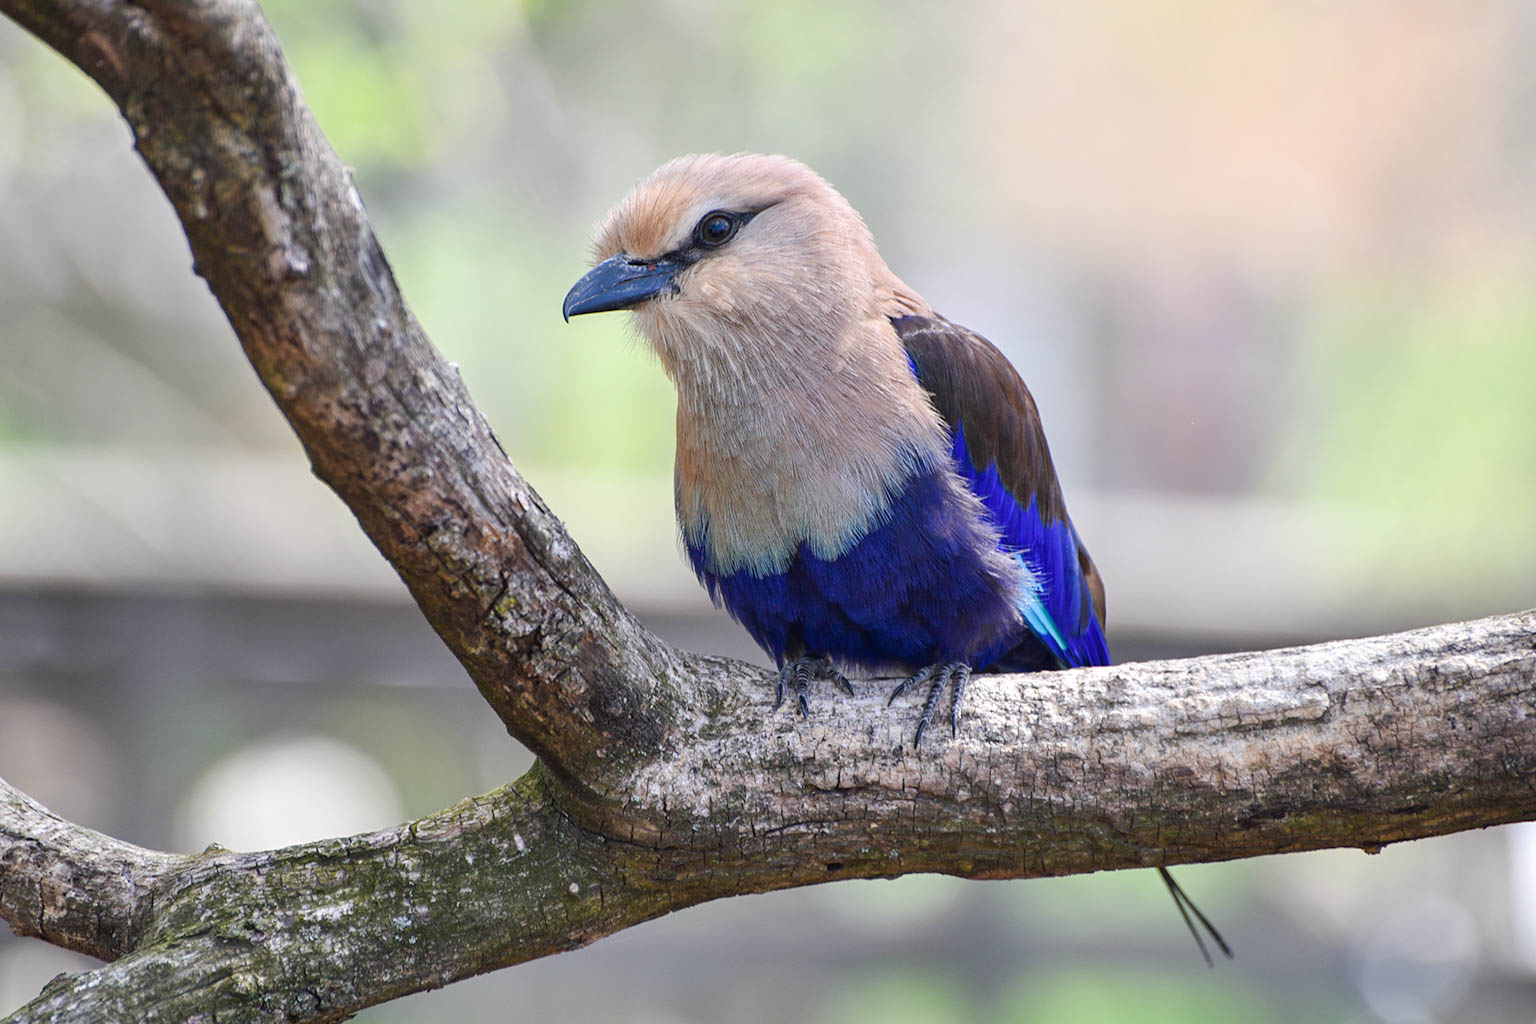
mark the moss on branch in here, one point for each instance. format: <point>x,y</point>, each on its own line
<point>664,778</point>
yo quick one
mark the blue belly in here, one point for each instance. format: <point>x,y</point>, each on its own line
<point>913,591</point>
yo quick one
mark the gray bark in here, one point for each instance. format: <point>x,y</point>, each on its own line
<point>664,779</point>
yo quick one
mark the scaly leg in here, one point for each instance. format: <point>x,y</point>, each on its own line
<point>957,673</point>
<point>798,673</point>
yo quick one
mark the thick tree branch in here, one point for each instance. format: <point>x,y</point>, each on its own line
<point>71,886</point>
<point>279,233</point>
<point>664,779</point>
<point>381,915</point>
<point>1355,743</point>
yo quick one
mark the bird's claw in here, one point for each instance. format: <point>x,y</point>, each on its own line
<point>799,672</point>
<point>957,673</point>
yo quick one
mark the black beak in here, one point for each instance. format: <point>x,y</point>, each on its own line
<point>619,283</point>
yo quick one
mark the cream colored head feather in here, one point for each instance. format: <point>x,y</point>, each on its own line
<point>797,410</point>
<point>800,271</point>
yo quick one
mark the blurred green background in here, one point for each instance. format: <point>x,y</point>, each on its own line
<point>1267,268</point>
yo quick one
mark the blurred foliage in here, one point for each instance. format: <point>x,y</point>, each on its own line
<point>1130,164</point>
<point>906,997</point>
<point>585,394</point>
<point>1113,996</point>
<point>1421,408</point>
<point>1072,907</point>
<point>489,136</point>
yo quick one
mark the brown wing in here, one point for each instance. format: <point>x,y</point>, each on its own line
<point>975,387</point>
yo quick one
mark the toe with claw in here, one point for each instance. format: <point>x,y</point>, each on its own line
<point>957,673</point>
<point>797,673</point>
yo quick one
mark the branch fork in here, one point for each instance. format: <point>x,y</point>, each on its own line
<point>663,779</point>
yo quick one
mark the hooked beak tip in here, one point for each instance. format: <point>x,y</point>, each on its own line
<point>617,283</point>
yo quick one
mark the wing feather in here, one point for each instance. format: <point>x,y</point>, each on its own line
<point>1000,449</point>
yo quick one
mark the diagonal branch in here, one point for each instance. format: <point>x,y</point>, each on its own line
<point>280,234</point>
<point>664,779</point>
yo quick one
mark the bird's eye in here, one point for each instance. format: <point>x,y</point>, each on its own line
<point>715,229</point>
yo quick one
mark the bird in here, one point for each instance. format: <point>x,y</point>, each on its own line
<point>860,482</point>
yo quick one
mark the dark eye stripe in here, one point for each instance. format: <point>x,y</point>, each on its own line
<point>702,244</point>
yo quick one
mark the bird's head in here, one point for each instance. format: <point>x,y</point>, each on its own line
<point>728,259</point>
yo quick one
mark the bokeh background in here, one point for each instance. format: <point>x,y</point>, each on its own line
<point>1267,267</point>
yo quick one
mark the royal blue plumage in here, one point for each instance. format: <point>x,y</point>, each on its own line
<point>1073,636</point>
<point>913,591</point>
<point>916,589</point>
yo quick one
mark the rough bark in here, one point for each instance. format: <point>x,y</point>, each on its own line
<point>664,779</point>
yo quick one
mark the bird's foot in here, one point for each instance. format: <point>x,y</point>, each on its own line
<point>955,672</point>
<point>797,675</point>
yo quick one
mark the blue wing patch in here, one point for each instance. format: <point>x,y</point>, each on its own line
<point>1053,602</point>
<point>1006,462</point>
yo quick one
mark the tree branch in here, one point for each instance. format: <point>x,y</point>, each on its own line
<point>279,233</point>
<point>1355,743</point>
<point>71,886</point>
<point>380,915</point>
<point>664,778</point>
